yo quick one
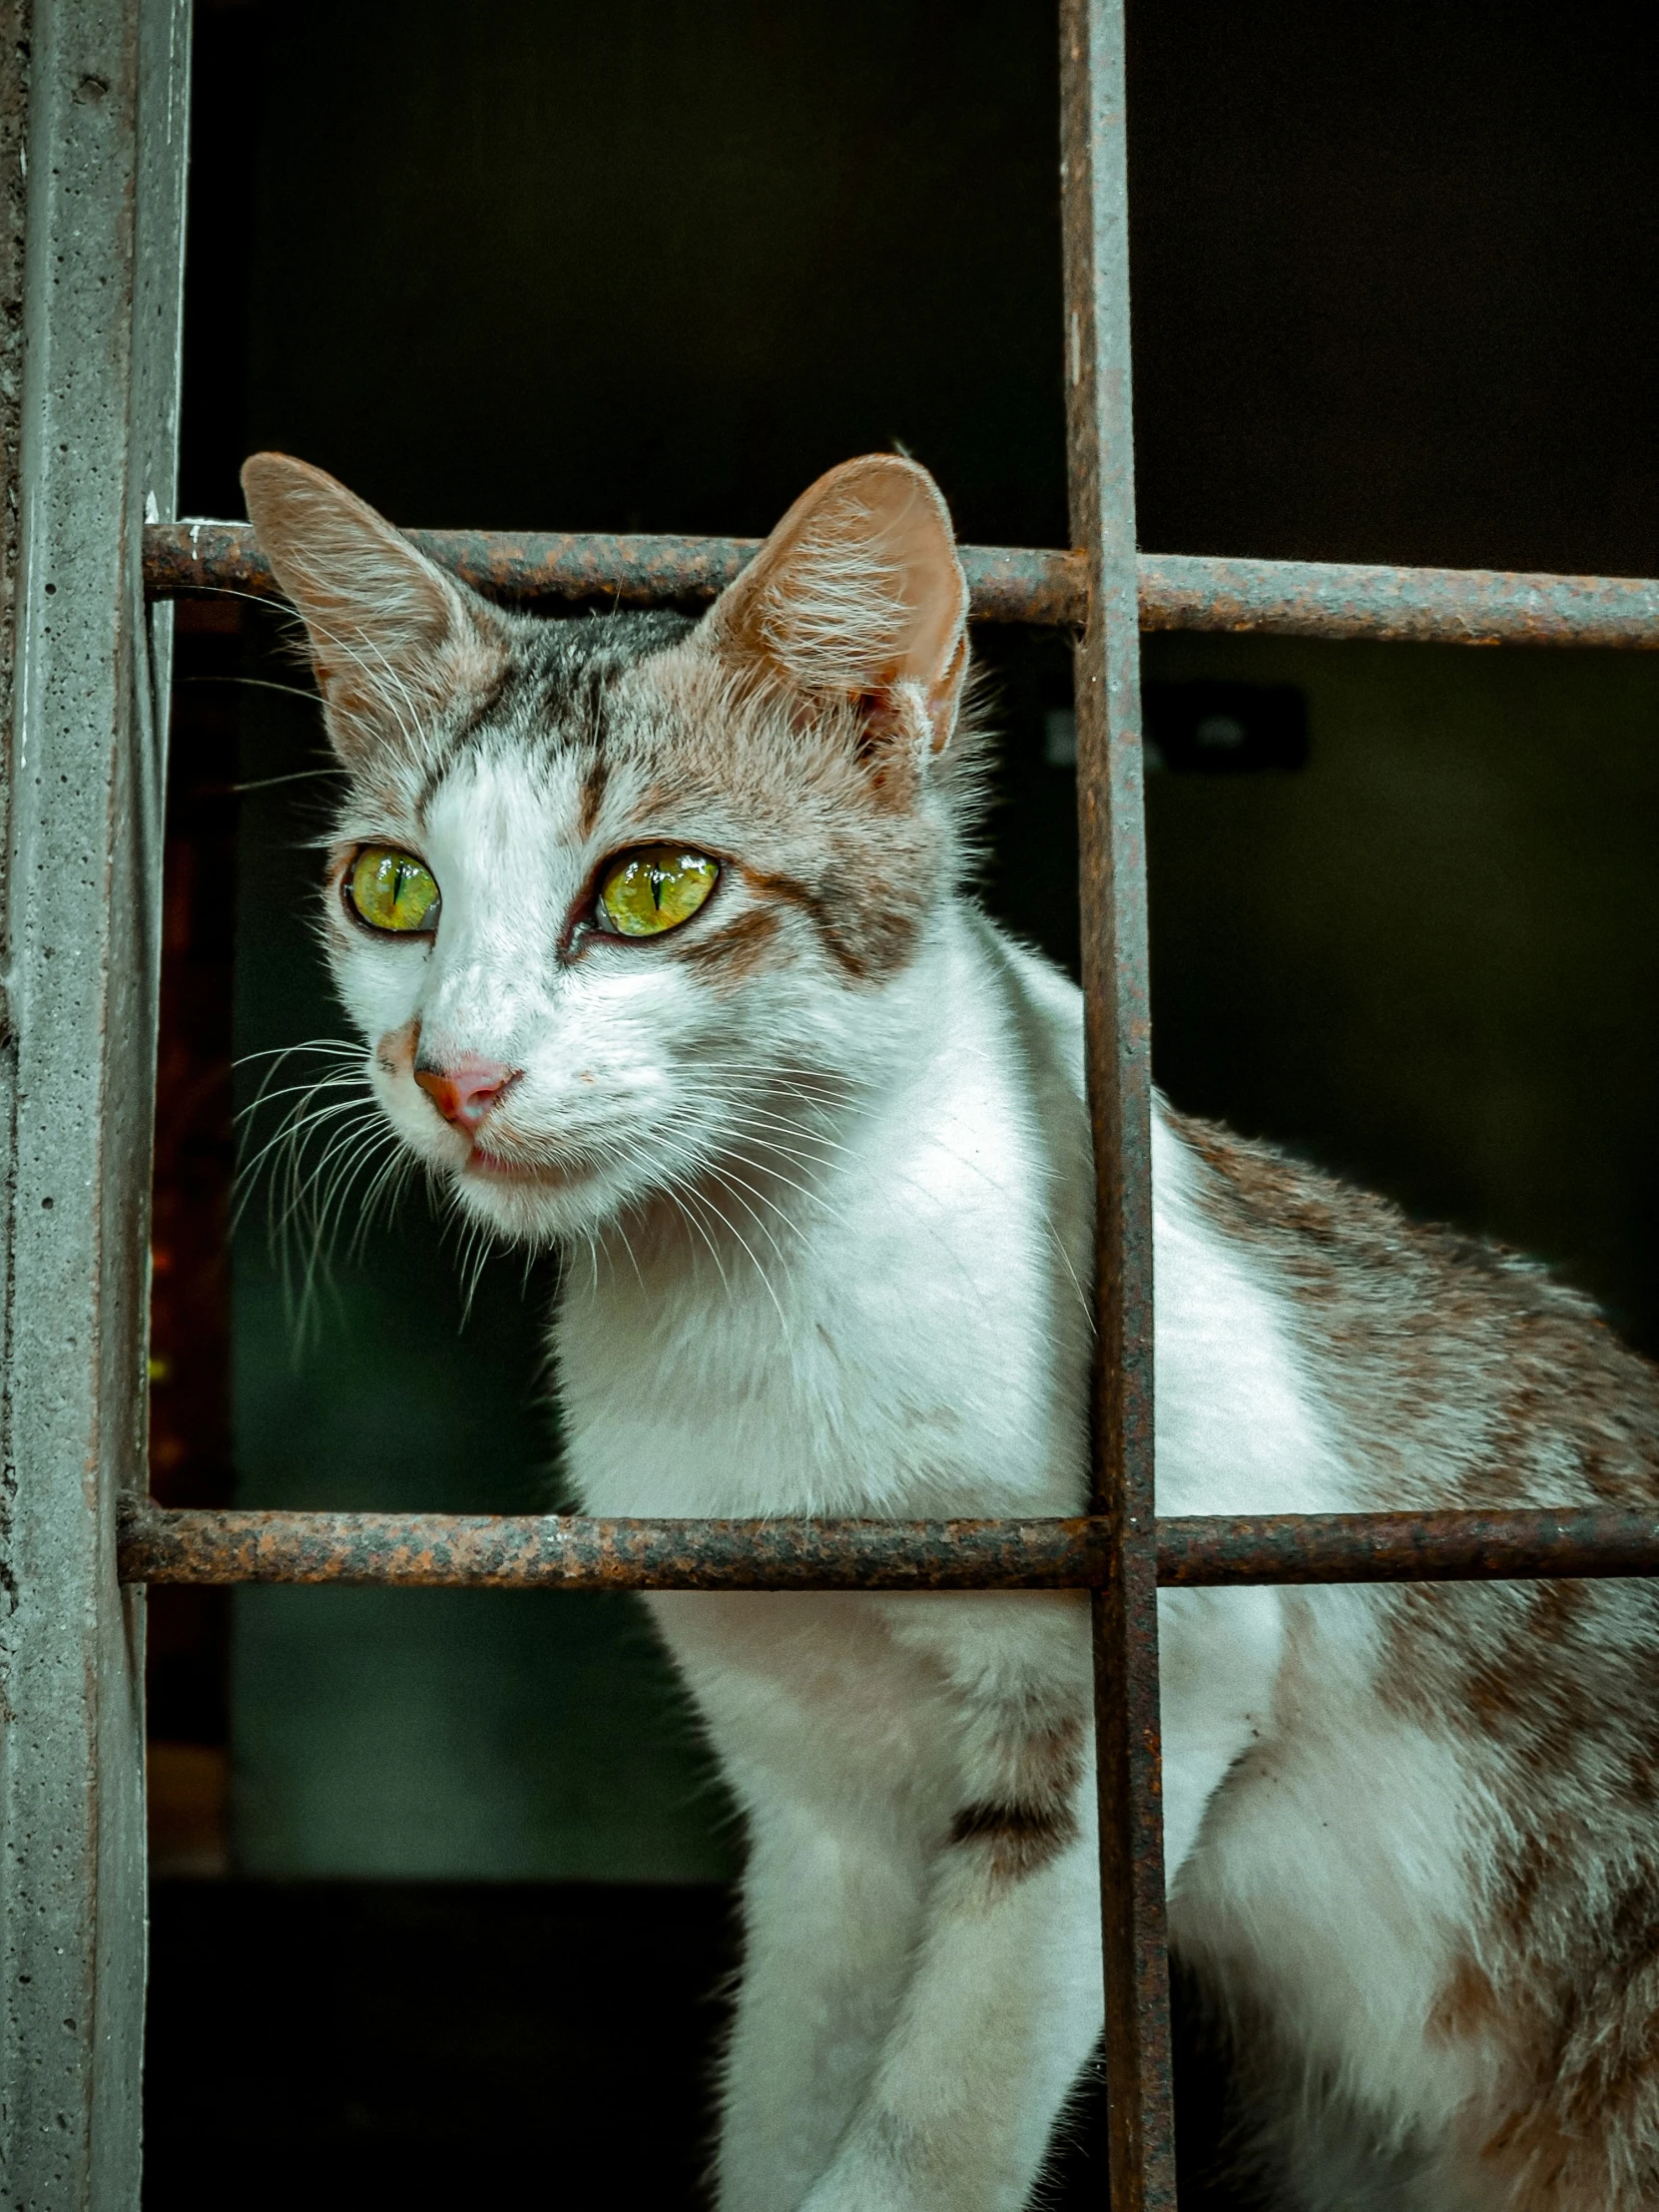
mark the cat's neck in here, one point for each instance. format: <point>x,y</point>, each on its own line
<point>773,1186</point>
<point>894,1319</point>
<point>882,1291</point>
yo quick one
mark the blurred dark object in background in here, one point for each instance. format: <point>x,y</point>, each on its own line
<point>1219,729</point>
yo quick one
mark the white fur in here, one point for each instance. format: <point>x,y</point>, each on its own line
<point>889,1318</point>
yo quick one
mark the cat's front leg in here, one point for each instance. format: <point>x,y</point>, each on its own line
<point>1003,2000</point>
<point>830,1918</point>
<point>1003,2008</point>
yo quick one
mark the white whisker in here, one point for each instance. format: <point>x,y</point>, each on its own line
<point>732,1227</point>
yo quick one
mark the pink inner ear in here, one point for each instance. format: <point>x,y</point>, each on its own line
<point>856,591</point>
<point>910,535</point>
<point>349,574</point>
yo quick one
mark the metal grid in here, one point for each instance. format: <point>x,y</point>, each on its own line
<point>88,1547</point>
<point>1175,590</point>
<point>1105,593</point>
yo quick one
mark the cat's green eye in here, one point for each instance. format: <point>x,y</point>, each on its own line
<point>392,891</point>
<point>656,888</point>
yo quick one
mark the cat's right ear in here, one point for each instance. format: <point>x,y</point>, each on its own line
<point>392,637</point>
<point>858,599</point>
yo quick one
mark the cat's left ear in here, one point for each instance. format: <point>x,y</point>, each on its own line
<point>857,598</point>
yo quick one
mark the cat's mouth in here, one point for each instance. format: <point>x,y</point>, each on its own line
<point>493,1167</point>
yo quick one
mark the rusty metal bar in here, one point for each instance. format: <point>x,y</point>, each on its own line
<point>1175,590</point>
<point>1118,1056</point>
<point>1403,606</point>
<point>1009,584</point>
<point>571,1553</point>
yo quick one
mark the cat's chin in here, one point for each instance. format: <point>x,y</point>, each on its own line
<point>489,1168</point>
<point>537,1205</point>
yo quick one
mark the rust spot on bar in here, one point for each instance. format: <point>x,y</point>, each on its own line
<point>571,1553</point>
<point>1521,1544</point>
<point>1178,591</point>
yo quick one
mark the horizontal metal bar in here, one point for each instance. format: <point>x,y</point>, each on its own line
<point>191,558</point>
<point>1416,606</point>
<point>571,1553</point>
<point>1178,591</point>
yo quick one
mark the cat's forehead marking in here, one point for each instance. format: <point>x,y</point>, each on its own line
<point>613,729</point>
<point>552,692</point>
<point>595,782</point>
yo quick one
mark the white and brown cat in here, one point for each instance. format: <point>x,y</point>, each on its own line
<point>656,936</point>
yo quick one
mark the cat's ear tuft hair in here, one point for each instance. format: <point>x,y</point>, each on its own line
<point>392,638</point>
<point>857,597</point>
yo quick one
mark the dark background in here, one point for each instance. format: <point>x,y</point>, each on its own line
<point>442,1878</point>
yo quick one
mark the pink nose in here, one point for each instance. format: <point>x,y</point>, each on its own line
<point>465,1092</point>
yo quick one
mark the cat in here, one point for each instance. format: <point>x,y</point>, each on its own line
<point>655,935</point>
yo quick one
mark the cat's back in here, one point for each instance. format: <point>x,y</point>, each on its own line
<point>1458,1370</point>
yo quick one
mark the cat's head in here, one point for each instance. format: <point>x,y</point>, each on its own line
<point>607,891</point>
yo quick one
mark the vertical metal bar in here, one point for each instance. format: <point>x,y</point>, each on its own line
<point>1113,886</point>
<point>84,731</point>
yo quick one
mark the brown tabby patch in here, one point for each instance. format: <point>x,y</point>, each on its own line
<point>1033,1818</point>
<point>1459,1375</point>
<point>594,785</point>
<point>731,951</point>
<point>1021,1840</point>
<point>808,812</point>
<point>1467,2006</point>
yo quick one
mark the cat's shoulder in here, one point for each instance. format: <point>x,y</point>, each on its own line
<point>1040,994</point>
